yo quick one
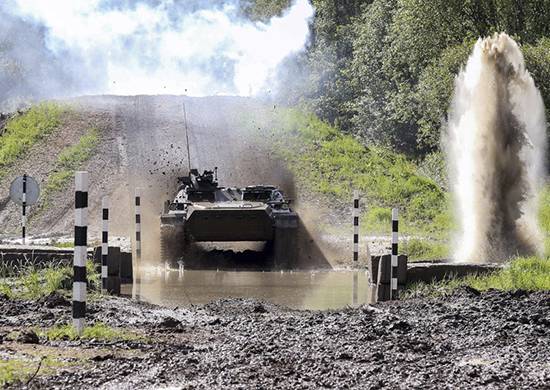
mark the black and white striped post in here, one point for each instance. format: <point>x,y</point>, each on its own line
<point>104,242</point>
<point>24,210</point>
<point>136,287</point>
<point>138,225</point>
<point>80,250</point>
<point>356,226</point>
<point>394,250</point>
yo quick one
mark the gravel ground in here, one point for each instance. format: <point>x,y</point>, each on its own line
<point>467,340</point>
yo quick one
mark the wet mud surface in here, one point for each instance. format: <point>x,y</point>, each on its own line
<point>466,340</point>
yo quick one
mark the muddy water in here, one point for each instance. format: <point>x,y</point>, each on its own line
<point>297,290</point>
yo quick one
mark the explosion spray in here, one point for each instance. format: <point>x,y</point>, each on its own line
<point>495,144</point>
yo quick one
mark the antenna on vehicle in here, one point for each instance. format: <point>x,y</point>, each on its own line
<point>187,137</point>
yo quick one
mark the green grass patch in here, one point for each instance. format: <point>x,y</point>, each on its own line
<point>35,283</point>
<point>530,274</point>
<point>5,289</point>
<point>14,370</point>
<point>23,131</point>
<point>19,370</point>
<point>70,160</point>
<point>63,244</point>
<point>333,164</point>
<point>98,331</point>
<point>419,249</point>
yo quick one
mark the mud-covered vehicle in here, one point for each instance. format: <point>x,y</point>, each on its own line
<point>202,211</point>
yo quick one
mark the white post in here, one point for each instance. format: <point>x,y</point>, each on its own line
<point>80,251</point>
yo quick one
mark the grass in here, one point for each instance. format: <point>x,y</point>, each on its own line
<point>98,331</point>
<point>15,370</point>
<point>35,283</point>
<point>62,244</point>
<point>23,131</point>
<point>70,160</point>
<point>332,164</point>
<point>419,249</point>
<point>530,274</point>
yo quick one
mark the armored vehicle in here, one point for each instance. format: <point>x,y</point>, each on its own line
<point>203,211</point>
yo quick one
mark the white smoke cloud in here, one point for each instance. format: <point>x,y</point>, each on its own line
<point>163,47</point>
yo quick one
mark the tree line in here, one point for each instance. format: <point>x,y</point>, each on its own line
<point>384,70</point>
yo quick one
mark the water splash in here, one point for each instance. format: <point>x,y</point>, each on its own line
<point>495,144</point>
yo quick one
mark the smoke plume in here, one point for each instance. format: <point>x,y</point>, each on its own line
<point>193,47</point>
<point>496,142</point>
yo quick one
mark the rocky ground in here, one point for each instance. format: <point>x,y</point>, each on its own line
<point>467,340</point>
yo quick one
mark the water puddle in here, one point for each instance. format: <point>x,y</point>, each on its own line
<point>298,290</point>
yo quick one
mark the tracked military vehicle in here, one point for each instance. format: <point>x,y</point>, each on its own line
<point>203,211</point>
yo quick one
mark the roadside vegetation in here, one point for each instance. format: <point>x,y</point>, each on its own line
<point>35,283</point>
<point>332,164</point>
<point>23,131</point>
<point>529,274</point>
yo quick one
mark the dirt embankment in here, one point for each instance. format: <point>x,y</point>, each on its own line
<point>464,341</point>
<point>143,145</point>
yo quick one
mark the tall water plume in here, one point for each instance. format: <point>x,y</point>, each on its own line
<point>495,143</point>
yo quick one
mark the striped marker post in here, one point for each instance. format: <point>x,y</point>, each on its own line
<point>80,250</point>
<point>138,225</point>
<point>355,226</point>
<point>394,259</point>
<point>24,210</point>
<point>104,242</point>
<point>136,288</point>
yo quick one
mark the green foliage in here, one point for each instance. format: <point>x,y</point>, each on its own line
<point>531,274</point>
<point>434,93</point>
<point>98,331</point>
<point>13,370</point>
<point>263,10</point>
<point>71,159</point>
<point>35,283</point>
<point>537,59</point>
<point>383,70</point>
<point>22,131</point>
<point>5,289</point>
<point>333,164</point>
<point>418,249</point>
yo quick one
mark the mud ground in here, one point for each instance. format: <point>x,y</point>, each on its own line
<point>466,340</point>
